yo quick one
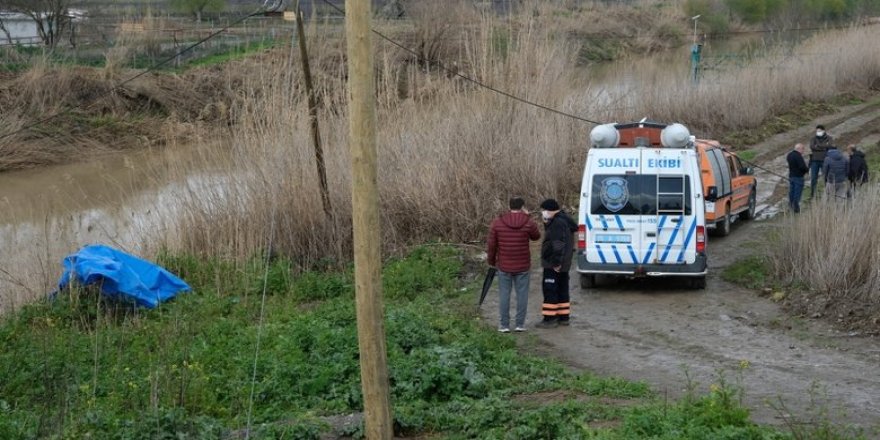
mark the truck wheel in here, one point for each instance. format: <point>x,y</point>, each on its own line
<point>723,228</point>
<point>588,281</point>
<point>698,283</point>
<point>753,202</point>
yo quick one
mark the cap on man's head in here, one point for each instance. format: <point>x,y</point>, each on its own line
<point>820,127</point>
<point>550,205</point>
<point>517,203</point>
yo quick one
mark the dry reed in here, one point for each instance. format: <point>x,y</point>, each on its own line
<point>833,251</point>
<point>451,153</point>
<point>827,65</point>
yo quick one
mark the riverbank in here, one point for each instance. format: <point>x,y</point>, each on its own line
<point>81,367</point>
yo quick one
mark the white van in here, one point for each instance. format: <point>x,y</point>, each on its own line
<point>642,212</point>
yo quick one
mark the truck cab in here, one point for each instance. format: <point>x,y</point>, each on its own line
<point>642,210</point>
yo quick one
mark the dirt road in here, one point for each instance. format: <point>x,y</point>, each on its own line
<point>662,333</point>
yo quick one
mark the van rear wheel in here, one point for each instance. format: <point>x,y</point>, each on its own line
<point>698,283</point>
<point>588,281</point>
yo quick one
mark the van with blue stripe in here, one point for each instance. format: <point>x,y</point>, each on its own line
<point>642,212</point>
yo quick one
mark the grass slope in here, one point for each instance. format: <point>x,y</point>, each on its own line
<point>79,368</point>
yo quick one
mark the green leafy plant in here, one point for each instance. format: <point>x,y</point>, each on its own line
<point>186,369</point>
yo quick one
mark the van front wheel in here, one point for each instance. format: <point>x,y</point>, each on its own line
<point>588,281</point>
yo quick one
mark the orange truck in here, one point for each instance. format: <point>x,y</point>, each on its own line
<point>730,188</point>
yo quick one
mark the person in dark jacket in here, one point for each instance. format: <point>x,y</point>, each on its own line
<point>508,250</point>
<point>858,169</point>
<point>836,172</point>
<point>556,254</point>
<point>797,168</point>
<point>819,146</point>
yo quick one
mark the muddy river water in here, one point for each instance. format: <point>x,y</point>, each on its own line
<point>123,200</point>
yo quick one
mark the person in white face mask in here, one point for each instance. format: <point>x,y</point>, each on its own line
<point>819,146</point>
<point>556,254</point>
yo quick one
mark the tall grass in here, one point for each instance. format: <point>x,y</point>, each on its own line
<point>450,153</point>
<point>55,114</point>
<point>825,66</point>
<point>833,249</point>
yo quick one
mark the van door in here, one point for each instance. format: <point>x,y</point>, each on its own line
<point>675,218</point>
<point>614,187</point>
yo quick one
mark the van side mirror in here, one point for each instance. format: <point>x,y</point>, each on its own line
<point>712,195</point>
<point>749,171</point>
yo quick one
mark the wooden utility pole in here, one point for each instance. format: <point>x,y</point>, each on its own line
<point>313,113</point>
<point>365,218</point>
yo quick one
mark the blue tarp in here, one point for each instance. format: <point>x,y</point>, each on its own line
<point>121,275</point>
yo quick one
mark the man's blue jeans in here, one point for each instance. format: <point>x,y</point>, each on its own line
<point>815,167</point>
<point>795,189</point>
<point>519,281</point>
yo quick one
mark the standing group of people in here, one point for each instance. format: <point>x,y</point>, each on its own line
<point>843,173</point>
<point>508,250</point>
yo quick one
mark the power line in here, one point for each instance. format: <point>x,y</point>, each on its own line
<point>121,84</point>
<point>442,66</point>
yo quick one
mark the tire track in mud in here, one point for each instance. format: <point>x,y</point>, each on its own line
<point>672,338</point>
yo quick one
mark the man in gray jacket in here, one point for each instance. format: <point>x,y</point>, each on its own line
<point>836,172</point>
<point>819,145</point>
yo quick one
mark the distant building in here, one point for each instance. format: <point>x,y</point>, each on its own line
<point>22,30</point>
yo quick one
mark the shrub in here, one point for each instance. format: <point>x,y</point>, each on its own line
<point>832,249</point>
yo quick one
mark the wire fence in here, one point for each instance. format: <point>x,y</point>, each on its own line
<point>152,39</point>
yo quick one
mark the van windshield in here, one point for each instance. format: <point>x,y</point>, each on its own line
<point>640,194</point>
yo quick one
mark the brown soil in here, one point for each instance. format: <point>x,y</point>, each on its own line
<point>793,367</point>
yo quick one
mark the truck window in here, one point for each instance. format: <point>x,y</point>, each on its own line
<point>732,166</point>
<point>638,194</point>
<point>721,171</point>
<point>740,169</point>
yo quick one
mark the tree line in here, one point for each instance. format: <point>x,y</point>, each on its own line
<point>54,20</point>
<point>716,15</point>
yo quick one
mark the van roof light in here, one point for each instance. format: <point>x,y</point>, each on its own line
<point>604,136</point>
<point>675,136</point>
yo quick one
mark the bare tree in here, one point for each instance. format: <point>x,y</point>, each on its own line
<point>5,31</point>
<point>51,17</point>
